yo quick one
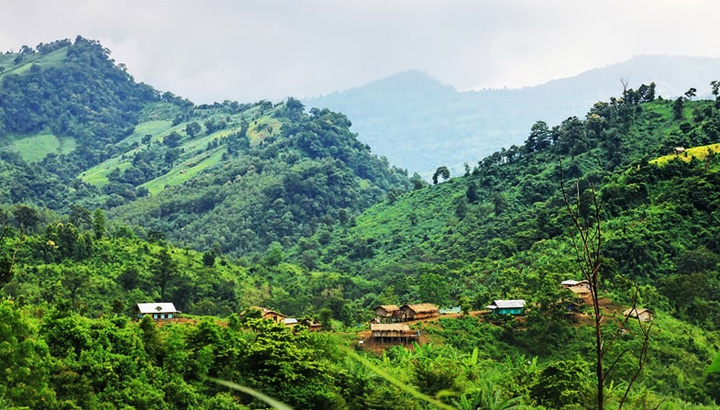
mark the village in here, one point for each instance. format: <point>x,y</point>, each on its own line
<point>391,324</point>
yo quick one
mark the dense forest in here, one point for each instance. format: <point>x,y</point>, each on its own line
<point>217,208</point>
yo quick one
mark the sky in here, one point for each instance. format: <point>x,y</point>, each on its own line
<point>248,50</point>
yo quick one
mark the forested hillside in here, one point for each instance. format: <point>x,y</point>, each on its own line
<point>77,131</point>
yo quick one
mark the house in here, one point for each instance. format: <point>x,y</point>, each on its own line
<point>567,284</point>
<point>393,332</point>
<point>581,289</point>
<point>507,307</point>
<point>418,311</point>
<point>386,311</point>
<point>159,311</point>
<point>454,310</point>
<point>311,324</point>
<point>268,314</point>
<point>644,315</point>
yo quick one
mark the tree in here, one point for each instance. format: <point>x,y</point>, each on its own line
<point>471,193</point>
<point>193,129</point>
<point>26,217</point>
<point>588,250</point>
<point>208,258</point>
<point>172,140</point>
<point>7,262</point>
<point>678,108</point>
<point>98,223</point>
<point>164,269</point>
<point>25,362</point>
<point>80,216</point>
<point>442,171</point>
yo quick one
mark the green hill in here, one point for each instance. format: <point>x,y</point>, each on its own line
<point>77,130</point>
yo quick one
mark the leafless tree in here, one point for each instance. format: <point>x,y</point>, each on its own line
<point>588,246</point>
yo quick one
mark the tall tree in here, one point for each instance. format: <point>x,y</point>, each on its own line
<point>164,269</point>
<point>441,171</point>
<point>588,249</point>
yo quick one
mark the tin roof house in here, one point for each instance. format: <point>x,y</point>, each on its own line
<point>508,307</point>
<point>158,311</point>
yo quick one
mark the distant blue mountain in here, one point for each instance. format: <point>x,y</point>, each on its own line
<point>419,123</point>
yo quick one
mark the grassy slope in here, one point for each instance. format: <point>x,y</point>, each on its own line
<point>53,59</point>
<point>695,152</point>
<point>35,148</point>
<point>195,157</point>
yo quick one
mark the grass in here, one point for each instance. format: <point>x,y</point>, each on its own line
<point>154,128</point>
<point>97,175</point>
<point>185,171</point>
<point>37,147</point>
<point>263,128</point>
<point>53,59</point>
<point>696,152</point>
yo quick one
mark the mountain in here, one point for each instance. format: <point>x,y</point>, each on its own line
<point>77,132</point>
<point>420,124</point>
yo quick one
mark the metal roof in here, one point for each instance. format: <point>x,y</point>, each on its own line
<point>290,321</point>
<point>157,308</point>
<point>389,327</point>
<point>510,304</point>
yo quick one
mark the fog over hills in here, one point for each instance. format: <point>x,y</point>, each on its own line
<point>419,124</point>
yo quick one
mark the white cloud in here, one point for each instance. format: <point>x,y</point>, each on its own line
<point>249,50</point>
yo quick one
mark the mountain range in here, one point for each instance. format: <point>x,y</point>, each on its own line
<point>420,124</point>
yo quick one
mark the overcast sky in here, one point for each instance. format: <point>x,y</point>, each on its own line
<point>246,50</point>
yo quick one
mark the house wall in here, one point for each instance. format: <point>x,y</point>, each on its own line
<point>508,311</point>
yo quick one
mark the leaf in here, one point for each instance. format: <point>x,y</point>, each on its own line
<point>402,386</point>
<point>267,399</point>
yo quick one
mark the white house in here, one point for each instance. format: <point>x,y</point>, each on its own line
<point>159,311</point>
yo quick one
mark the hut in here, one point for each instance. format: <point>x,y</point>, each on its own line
<point>644,315</point>
<point>386,311</point>
<point>507,307</point>
<point>570,283</point>
<point>267,314</point>
<point>418,311</point>
<point>393,333</point>
<point>158,311</point>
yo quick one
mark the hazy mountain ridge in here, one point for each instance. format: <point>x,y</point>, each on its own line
<point>420,124</point>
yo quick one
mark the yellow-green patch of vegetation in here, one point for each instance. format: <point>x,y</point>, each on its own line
<point>263,128</point>
<point>98,175</point>
<point>696,152</point>
<point>37,147</point>
<point>185,172</point>
<point>153,128</point>
<point>201,143</point>
<point>52,59</point>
